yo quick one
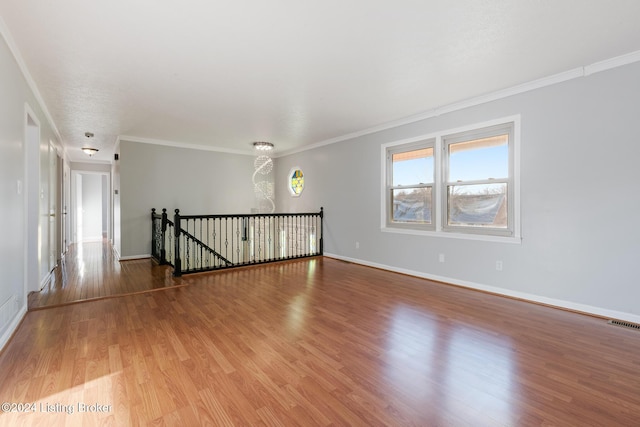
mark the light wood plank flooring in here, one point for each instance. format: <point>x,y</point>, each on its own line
<point>318,342</point>
<point>90,270</point>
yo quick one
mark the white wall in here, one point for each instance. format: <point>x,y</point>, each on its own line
<point>96,199</point>
<point>105,204</point>
<point>31,193</point>
<point>579,179</point>
<point>91,206</point>
<point>194,181</point>
<point>17,98</point>
<point>115,203</point>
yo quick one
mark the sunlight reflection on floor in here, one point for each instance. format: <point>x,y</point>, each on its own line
<point>424,358</point>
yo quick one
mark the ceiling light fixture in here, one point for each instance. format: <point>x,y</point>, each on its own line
<point>90,151</point>
<point>263,145</point>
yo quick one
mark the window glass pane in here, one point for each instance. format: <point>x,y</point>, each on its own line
<point>481,205</point>
<point>297,181</point>
<point>479,159</point>
<point>413,167</point>
<point>412,205</point>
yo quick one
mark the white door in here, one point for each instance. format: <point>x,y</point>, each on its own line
<point>53,196</point>
<point>66,207</point>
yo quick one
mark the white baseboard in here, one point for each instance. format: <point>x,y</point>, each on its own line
<point>45,280</point>
<point>132,257</point>
<point>12,327</point>
<point>567,305</point>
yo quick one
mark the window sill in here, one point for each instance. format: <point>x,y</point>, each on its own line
<point>451,235</point>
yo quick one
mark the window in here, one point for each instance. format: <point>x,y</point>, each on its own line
<point>478,181</point>
<point>295,181</point>
<point>410,185</point>
<point>458,183</point>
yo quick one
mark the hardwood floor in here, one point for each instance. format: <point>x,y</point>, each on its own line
<point>318,342</point>
<point>90,270</point>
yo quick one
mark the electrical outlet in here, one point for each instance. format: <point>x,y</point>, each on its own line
<point>357,245</point>
<point>499,265</point>
<point>441,257</point>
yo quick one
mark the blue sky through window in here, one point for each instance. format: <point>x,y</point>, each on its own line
<point>414,171</point>
<point>479,164</point>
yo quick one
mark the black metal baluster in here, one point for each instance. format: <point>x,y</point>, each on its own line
<point>163,243</point>
<point>298,231</point>
<point>257,232</point>
<point>270,237</point>
<point>252,240</point>
<point>177,270</point>
<point>153,233</point>
<point>321,230</point>
<point>276,246</point>
<point>170,245</point>
<point>305,236</point>
<point>257,238</point>
<point>285,238</point>
<point>185,247</point>
<point>216,245</point>
<point>205,238</point>
<point>290,230</point>
<point>234,231</point>
<point>217,234</point>
<point>226,240</point>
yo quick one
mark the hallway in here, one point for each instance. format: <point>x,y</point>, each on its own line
<point>90,270</point>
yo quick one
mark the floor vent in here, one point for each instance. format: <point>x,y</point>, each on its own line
<point>624,324</point>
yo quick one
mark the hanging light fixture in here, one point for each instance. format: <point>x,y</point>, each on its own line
<point>263,187</point>
<point>263,145</point>
<point>89,151</point>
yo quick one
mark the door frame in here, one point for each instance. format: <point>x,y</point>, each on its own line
<point>32,243</point>
<point>73,229</point>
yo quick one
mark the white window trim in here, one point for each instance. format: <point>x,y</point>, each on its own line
<point>422,143</point>
<point>439,177</point>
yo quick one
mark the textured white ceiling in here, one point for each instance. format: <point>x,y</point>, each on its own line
<point>226,73</point>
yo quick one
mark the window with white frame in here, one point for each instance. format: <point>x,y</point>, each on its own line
<point>462,182</point>
<point>478,183</point>
<point>410,185</point>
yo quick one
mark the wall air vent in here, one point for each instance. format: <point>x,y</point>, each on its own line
<point>625,324</point>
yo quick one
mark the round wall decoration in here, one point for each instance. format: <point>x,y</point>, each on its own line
<point>295,181</point>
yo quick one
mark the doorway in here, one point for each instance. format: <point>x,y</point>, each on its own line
<point>54,215</point>
<point>89,206</point>
<point>32,203</point>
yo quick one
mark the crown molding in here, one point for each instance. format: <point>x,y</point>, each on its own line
<point>611,63</point>
<point>575,73</point>
<point>175,144</point>
<point>572,74</point>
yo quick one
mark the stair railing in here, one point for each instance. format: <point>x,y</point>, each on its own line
<point>211,242</point>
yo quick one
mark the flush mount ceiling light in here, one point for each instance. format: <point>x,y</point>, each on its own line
<point>263,145</point>
<point>90,151</point>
